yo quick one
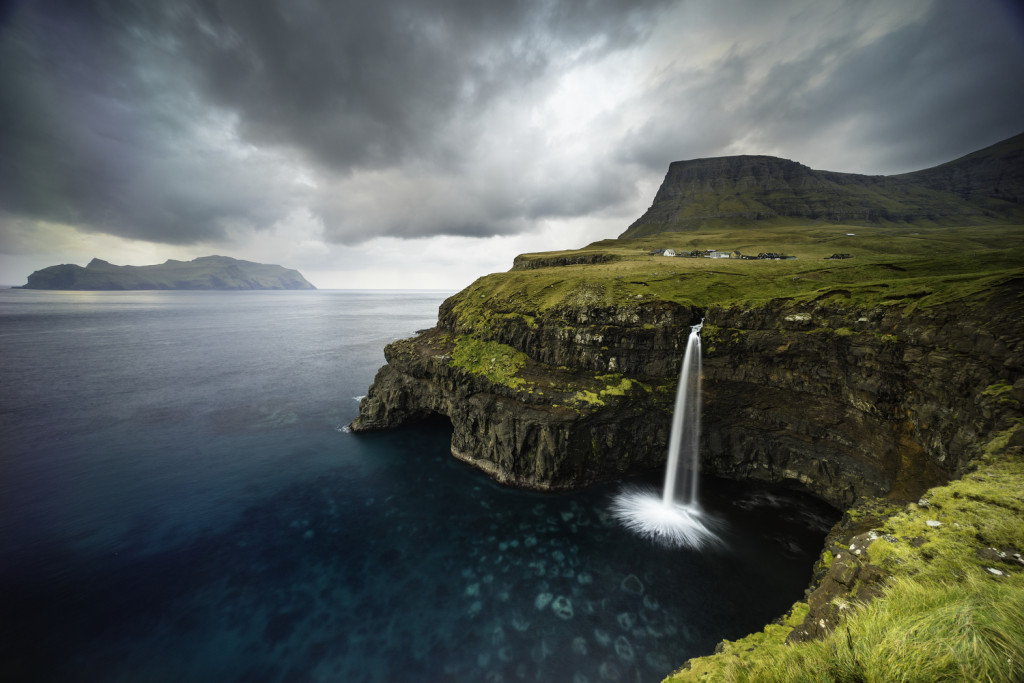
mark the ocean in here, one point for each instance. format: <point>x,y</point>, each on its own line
<point>180,500</point>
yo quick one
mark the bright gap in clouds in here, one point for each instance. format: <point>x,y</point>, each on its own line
<point>446,262</point>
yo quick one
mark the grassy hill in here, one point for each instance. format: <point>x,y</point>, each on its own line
<point>888,265</point>
<point>206,272</point>
<point>986,186</point>
<point>948,607</point>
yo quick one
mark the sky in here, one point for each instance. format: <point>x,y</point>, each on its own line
<point>420,144</point>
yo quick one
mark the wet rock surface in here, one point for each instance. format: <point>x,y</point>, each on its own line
<point>842,402</point>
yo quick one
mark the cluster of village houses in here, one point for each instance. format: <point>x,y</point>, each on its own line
<point>714,253</point>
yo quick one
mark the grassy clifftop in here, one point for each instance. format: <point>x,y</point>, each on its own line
<point>888,266</point>
<point>946,574</point>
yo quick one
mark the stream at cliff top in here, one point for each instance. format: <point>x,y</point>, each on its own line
<point>179,502</point>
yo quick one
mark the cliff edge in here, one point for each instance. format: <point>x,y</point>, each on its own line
<point>985,186</point>
<point>879,365</point>
<point>890,386</point>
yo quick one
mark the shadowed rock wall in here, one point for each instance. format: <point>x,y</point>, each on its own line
<point>842,402</point>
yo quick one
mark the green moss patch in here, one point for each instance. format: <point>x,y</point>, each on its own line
<point>497,362</point>
<point>950,610</point>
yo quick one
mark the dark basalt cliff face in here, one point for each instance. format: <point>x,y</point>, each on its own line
<point>205,272</point>
<point>842,402</point>
<point>867,381</point>
<point>985,185</point>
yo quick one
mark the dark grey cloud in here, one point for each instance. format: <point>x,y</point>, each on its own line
<point>195,120</point>
<point>372,84</point>
<point>101,130</point>
<point>130,117</point>
<point>920,94</point>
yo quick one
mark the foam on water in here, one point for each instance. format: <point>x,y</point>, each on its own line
<point>645,512</point>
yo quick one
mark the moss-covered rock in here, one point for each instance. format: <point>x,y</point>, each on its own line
<point>867,384</point>
<point>933,592</point>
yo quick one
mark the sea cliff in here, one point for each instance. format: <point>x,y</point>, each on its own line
<point>888,382</point>
<point>869,396</point>
<point>841,400</point>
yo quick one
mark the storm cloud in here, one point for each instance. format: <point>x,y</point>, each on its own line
<point>189,122</point>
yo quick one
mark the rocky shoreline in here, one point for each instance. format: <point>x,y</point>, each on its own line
<point>867,408</point>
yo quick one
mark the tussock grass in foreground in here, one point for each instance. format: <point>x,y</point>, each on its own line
<point>957,631</point>
<point>944,615</point>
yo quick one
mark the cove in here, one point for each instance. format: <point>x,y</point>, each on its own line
<point>214,522</point>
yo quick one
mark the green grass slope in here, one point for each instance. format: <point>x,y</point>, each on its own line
<point>950,609</point>
<point>889,266</point>
<point>747,191</point>
<point>952,592</point>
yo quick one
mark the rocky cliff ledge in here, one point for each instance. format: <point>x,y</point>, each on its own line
<point>843,400</point>
<point>871,382</point>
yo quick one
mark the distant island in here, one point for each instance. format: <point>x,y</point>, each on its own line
<point>205,272</point>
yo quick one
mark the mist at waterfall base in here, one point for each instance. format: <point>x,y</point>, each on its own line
<point>674,517</point>
<point>179,501</point>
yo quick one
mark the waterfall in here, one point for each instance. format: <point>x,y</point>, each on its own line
<point>684,439</point>
<point>674,517</point>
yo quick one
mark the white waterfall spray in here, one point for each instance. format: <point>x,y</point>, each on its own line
<point>684,439</point>
<point>675,518</point>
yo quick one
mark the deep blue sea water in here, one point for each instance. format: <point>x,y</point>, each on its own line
<point>179,501</point>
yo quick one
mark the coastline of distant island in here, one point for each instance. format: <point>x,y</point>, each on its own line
<point>205,272</point>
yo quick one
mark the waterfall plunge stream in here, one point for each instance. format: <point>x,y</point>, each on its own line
<point>675,518</point>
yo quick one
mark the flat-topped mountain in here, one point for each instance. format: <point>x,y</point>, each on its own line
<point>205,272</point>
<point>985,186</point>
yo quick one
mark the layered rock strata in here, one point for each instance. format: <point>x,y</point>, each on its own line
<point>840,401</point>
<point>737,190</point>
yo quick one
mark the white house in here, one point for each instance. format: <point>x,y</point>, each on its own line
<point>669,252</point>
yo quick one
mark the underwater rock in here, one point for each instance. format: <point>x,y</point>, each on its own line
<point>609,671</point>
<point>624,650</point>
<point>541,651</point>
<point>626,621</point>
<point>562,607</point>
<point>631,584</point>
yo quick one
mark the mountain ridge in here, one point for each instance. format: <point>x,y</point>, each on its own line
<point>986,185</point>
<point>204,272</point>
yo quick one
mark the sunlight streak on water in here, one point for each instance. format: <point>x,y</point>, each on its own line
<point>644,512</point>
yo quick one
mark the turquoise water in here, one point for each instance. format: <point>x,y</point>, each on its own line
<point>179,501</point>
